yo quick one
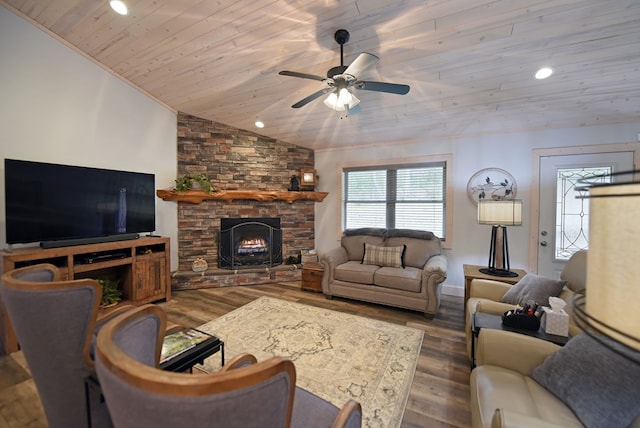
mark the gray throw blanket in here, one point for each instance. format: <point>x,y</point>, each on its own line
<point>390,233</point>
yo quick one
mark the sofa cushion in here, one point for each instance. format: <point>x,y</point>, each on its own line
<point>418,250</point>
<point>354,245</point>
<point>408,279</point>
<point>581,373</point>
<point>533,287</point>
<point>354,271</point>
<point>383,256</point>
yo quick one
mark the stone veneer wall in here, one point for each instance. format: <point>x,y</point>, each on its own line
<point>236,159</point>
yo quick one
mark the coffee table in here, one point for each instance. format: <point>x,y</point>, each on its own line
<point>483,320</point>
<point>194,354</point>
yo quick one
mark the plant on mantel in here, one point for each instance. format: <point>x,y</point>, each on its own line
<point>186,182</point>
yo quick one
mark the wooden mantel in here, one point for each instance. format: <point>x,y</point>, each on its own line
<point>197,196</point>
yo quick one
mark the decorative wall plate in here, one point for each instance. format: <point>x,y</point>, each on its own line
<point>491,183</point>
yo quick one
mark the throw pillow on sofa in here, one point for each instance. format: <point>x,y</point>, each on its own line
<point>383,256</point>
<point>601,386</point>
<point>533,287</point>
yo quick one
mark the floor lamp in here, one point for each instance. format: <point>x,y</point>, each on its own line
<point>613,268</point>
<point>499,214</point>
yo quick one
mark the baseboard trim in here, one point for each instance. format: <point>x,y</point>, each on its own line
<point>452,290</point>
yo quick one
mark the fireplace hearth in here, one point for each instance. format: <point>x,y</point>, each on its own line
<point>249,243</point>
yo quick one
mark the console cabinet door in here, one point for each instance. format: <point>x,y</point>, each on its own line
<point>150,279</point>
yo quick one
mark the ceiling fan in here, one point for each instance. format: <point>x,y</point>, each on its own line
<point>341,80</point>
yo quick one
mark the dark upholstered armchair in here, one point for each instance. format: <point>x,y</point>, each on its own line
<point>245,393</point>
<point>55,322</point>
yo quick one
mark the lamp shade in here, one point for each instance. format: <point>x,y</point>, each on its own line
<point>500,212</point>
<point>613,271</point>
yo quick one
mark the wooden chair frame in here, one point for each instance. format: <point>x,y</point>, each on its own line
<point>153,379</point>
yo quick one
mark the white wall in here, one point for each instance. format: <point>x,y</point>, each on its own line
<point>57,106</point>
<point>511,152</point>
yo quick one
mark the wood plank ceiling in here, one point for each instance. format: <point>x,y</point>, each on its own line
<point>470,63</point>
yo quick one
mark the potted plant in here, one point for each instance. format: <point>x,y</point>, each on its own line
<point>111,294</point>
<point>186,182</point>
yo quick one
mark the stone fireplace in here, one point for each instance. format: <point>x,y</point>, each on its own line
<point>237,159</point>
<point>249,243</point>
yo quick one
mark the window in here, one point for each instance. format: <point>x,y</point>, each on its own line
<point>572,213</point>
<point>396,196</point>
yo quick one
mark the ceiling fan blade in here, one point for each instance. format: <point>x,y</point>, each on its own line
<point>392,88</point>
<point>305,101</point>
<point>301,75</point>
<point>361,63</point>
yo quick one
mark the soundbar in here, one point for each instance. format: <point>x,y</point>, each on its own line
<point>85,241</point>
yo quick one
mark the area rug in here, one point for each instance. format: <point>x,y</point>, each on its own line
<point>337,356</point>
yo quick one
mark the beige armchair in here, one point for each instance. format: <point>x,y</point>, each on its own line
<point>503,393</point>
<point>485,295</point>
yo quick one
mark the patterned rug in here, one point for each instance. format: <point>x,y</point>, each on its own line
<point>337,356</point>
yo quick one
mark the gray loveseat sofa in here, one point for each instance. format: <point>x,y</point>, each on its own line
<point>367,266</point>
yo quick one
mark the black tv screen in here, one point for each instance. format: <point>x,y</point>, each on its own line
<point>47,202</point>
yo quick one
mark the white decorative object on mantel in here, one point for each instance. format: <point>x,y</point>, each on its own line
<point>491,183</point>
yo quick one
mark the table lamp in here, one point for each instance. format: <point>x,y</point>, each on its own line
<point>606,309</point>
<point>499,214</point>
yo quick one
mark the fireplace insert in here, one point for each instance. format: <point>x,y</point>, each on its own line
<point>249,242</point>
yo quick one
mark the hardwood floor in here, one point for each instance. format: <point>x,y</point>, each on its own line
<point>439,393</point>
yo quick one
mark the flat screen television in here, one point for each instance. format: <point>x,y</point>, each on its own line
<point>62,205</point>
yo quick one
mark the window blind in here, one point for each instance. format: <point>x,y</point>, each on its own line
<point>407,196</point>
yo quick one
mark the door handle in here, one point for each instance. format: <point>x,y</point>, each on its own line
<point>543,243</point>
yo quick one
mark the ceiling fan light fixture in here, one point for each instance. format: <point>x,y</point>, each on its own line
<point>341,101</point>
<point>119,7</point>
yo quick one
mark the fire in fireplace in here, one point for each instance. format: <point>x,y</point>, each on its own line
<point>252,246</point>
<point>249,242</point>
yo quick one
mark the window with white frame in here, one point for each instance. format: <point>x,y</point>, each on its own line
<point>411,196</point>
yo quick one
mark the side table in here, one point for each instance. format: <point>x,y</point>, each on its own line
<point>472,272</point>
<point>483,320</point>
<point>312,277</point>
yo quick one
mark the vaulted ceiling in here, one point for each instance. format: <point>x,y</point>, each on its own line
<point>470,63</point>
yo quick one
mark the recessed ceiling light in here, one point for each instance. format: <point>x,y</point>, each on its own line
<point>543,73</point>
<point>259,124</point>
<point>119,6</point>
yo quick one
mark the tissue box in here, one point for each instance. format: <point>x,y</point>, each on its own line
<point>555,322</point>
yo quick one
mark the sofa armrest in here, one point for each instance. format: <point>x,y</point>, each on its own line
<point>329,261</point>
<point>491,307</point>
<point>434,272</point>
<point>436,265</point>
<point>513,351</point>
<point>507,418</point>
<point>488,289</point>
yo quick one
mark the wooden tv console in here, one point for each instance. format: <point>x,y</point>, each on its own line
<point>141,266</point>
